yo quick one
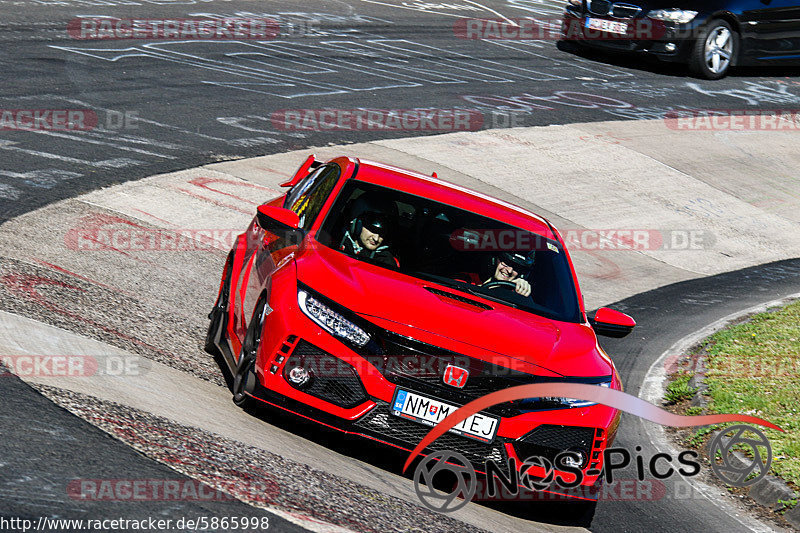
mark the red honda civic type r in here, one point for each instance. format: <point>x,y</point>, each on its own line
<point>377,300</point>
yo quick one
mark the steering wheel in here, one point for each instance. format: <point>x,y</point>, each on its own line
<point>506,284</point>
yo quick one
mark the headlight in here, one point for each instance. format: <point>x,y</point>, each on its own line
<point>330,320</point>
<point>679,16</point>
<point>552,402</point>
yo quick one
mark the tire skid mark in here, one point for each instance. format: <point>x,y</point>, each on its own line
<point>84,278</point>
<point>26,286</point>
<point>608,269</point>
<point>205,182</point>
<point>215,202</point>
<point>151,215</point>
<point>99,222</point>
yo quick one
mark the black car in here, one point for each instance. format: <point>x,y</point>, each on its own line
<point>708,35</point>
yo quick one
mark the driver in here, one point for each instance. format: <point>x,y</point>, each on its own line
<point>365,238</point>
<point>507,267</point>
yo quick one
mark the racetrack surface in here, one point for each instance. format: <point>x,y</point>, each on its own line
<point>190,102</point>
<point>197,103</point>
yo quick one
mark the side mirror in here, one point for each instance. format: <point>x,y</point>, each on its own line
<point>282,222</point>
<point>310,164</point>
<point>610,323</point>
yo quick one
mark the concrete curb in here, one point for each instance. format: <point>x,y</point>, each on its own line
<point>793,516</point>
<point>765,492</point>
<point>768,491</point>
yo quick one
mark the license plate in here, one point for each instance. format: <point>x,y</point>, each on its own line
<point>608,26</point>
<point>428,411</point>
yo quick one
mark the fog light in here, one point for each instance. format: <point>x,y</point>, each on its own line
<point>670,47</point>
<point>574,459</point>
<point>299,376</point>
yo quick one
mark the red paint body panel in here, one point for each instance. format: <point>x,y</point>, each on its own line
<point>484,330</point>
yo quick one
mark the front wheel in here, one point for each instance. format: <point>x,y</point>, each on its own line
<point>714,51</point>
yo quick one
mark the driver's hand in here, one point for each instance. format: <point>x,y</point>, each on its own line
<point>523,287</point>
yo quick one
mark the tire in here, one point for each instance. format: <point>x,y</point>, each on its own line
<point>245,379</point>
<point>714,50</point>
<point>216,328</point>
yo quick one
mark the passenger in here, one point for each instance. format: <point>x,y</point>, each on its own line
<point>366,236</point>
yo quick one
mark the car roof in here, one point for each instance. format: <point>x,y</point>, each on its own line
<point>449,193</point>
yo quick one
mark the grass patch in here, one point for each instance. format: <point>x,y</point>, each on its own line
<point>788,504</point>
<point>754,368</point>
<point>679,390</point>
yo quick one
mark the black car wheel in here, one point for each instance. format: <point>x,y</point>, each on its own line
<point>244,381</point>
<point>714,51</point>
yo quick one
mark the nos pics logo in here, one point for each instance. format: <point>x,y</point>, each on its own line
<point>739,455</point>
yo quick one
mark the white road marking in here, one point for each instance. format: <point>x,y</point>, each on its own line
<point>9,192</point>
<point>45,178</point>
<point>511,22</point>
<point>412,8</point>
<point>105,163</point>
<point>84,139</point>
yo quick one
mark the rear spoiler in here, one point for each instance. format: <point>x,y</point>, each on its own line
<point>310,164</point>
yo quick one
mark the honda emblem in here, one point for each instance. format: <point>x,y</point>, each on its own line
<point>455,376</point>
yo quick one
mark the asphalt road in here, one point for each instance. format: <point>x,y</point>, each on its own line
<point>167,105</point>
<point>190,103</point>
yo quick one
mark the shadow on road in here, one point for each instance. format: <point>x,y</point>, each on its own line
<point>647,63</point>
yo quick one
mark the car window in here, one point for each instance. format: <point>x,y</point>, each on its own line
<point>309,195</point>
<point>457,248</point>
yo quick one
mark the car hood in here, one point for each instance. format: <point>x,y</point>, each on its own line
<point>703,6</point>
<point>407,306</point>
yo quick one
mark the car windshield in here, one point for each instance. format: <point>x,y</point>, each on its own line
<point>447,245</point>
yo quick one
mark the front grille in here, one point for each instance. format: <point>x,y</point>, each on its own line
<point>333,379</point>
<point>618,10</point>
<point>600,7</point>
<point>549,440</point>
<point>420,367</point>
<point>381,422</point>
<point>625,11</point>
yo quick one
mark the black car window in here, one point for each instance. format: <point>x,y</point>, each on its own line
<point>309,195</point>
<point>458,248</point>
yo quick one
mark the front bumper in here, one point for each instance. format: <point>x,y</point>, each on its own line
<point>354,398</point>
<point>645,36</point>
